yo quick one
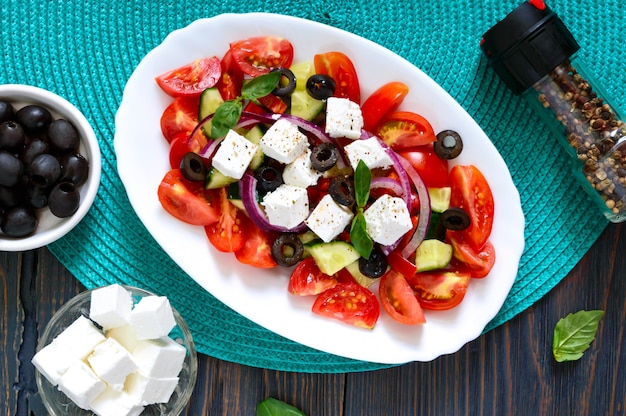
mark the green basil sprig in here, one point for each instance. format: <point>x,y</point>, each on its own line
<point>574,333</point>
<point>361,241</point>
<point>228,113</point>
<point>274,407</point>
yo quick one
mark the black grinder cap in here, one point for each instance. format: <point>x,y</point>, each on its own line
<point>527,44</point>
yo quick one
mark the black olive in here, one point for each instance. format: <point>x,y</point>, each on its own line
<point>448,145</point>
<point>74,168</point>
<point>34,118</point>
<point>12,136</point>
<point>375,266</point>
<point>19,221</point>
<point>324,156</point>
<point>63,136</point>
<point>7,112</point>
<point>455,219</point>
<point>63,200</point>
<point>44,171</point>
<point>341,190</point>
<point>268,179</point>
<point>284,90</point>
<point>11,196</point>
<point>11,169</point>
<point>192,167</point>
<point>320,86</point>
<point>287,250</point>
<point>32,149</point>
<point>37,197</point>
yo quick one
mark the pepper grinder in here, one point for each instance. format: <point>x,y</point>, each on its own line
<point>535,55</point>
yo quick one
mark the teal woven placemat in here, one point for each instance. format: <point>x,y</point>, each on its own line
<point>86,50</point>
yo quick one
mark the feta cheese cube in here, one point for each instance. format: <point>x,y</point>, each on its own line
<point>343,118</point>
<point>234,155</point>
<point>148,390</point>
<point>81,385</point>
<point>52,362</point>
<point>329,219</point>
<point>80,338</point>
<point>160,358</point>
<point>300,172</point>
<point>387,219</point>
<point>125,335</point>
<point>152,317</point>
<point>110,306</point>
<point>112,363</point>
<point>287,206</point>
<point>283,141</point>
<point>115,403</point>
<point>370,152</point>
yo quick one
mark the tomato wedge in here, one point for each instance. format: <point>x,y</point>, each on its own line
<point>184,143</point>
<point>307,279</point>
<point>191,79</point>
<point>181,116</point>
<point>432,169</point>
<point>350,303</point>
<point>471,192</point>
<point>229,84</point>
<point>478,263</point>
<point>439,290</point>
<point>338,66</point>
<point>227,234</point>
<point>405,129</point>
<point>187,201</point>
<point>382,101</point>
<point>259,55</point>
<point>398,299</point>
<point>257,249</point>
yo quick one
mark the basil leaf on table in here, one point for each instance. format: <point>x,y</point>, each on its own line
<point>574,333</point>
<point>274,407</point>
<point>226,117</point>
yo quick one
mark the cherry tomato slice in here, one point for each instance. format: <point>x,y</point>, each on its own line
<point>439,290</point>
<point>184,143</point>
<point>228,234</point>
<point>350,303</point>
<point>471,192</point>
<point>382,101</point>
<point>398,299</point>
<point>181,116</point>
<point>307,279</point>
<point>187,201</point>
<point>191,79</point>
<point>230,83</point>
<point>477,263</point>
<point>400,264</point>
<point>339,67</point>
<point>258,55</point>
<point>405,129</point>
<point>432,169</point>
<point>257,249</point>
<point>273,103</point>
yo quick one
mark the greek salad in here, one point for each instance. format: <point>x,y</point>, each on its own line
<point>285,164</point>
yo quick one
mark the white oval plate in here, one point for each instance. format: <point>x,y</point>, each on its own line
<point>261,295</point>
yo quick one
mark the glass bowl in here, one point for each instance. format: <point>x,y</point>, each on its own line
<point>58,404</point>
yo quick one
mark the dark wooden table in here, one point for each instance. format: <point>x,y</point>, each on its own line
<point>507,371</point>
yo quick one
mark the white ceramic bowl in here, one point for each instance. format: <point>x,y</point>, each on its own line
<point>51,228</point>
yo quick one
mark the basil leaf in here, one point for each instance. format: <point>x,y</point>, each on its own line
<point>260,86</point>
<point>226,117</point>
<point>574,333</point>
<point>362,182</point>
<point>274,407</point>
<point>361,241</point>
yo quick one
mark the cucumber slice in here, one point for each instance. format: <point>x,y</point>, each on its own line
<point>302,71</point>
<point>432,254</point>
<point>254,135</point>
<point>210,99</point>
<point>216,179</point>
<point>334,256</point>
<point>365,281</point>
<point>302,104</point>
<point>440,198</point>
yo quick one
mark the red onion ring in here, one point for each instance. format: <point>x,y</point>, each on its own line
<point>425,210</point>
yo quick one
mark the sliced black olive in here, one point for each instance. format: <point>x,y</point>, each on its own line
<point>455,219</point>
<point>63,200</point>
<point>448,145</point>
<point>192,167</point>
<point>287,250</point>
<point>375,266</point>
<point>324,156</point>
<point>283,90</point>
<point>341,190</point>
<point>268,179</point>
<point>320,86</point>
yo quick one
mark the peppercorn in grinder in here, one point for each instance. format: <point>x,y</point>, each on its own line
<point>534,54</point>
